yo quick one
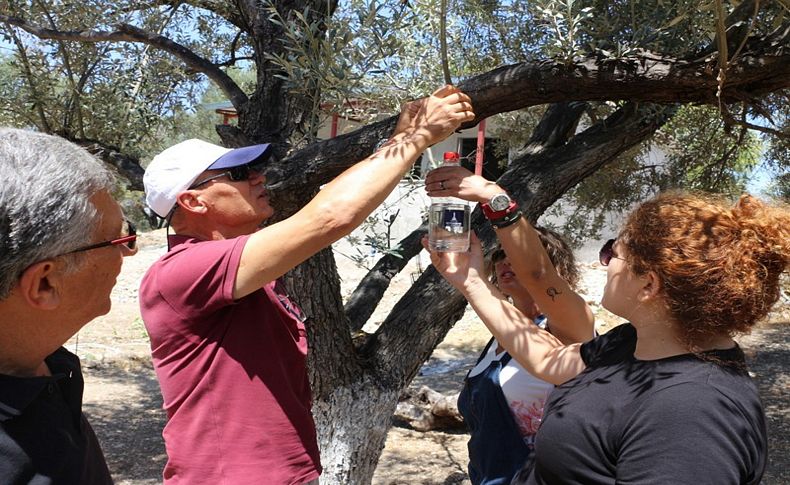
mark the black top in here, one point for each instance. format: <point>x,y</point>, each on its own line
<point>44,437</point>
<point>678,420</point>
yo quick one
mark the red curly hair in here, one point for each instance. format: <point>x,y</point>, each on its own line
<point>719,266</point>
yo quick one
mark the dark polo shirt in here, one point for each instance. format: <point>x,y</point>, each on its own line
<point>44,437</point>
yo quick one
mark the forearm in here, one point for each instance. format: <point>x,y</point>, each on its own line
<point>348,199</point>
<point>528,257</point>
<point>570,318</point>
<point>337,209</point>
<point>538,351</point>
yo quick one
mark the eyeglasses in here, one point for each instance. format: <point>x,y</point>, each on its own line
<point>129,240</point>
<point>606,254</point>
<point>235,174</point>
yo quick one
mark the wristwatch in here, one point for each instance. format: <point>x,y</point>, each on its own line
<point>499,206</point>
<point>500,202</point>
<point>501,211</point>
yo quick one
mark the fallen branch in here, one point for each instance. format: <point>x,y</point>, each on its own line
<point>428,410</point>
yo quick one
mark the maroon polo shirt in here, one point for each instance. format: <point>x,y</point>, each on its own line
<point>232,372</point>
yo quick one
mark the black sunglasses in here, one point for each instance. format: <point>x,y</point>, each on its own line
<point>606,254</point>
<point>235,174</point>
<point>129,240</point>
<point>498,255</point>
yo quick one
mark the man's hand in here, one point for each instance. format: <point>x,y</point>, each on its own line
<point>407,116</point>
<point>460,182</point>
<point>432,119</point>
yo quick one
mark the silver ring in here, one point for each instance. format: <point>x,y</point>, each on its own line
<point>441,185</point>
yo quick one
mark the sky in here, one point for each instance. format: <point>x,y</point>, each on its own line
<point>759,180</point>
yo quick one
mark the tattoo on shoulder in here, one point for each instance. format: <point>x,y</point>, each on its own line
<point>552,292</point>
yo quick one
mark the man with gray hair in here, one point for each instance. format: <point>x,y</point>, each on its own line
<point>62,241</point>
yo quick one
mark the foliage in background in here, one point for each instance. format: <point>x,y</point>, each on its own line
<point>695,151</point>
<point>124,96</point>
<point>308,55</point>
<point>115,94</point>
<point>369,57</point>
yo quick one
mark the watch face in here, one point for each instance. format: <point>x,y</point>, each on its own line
<point>500,202</point>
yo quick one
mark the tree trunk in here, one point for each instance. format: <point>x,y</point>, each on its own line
<point>356,387</point>
<point>356,390</point>
<point>353,421</point>
<point>352,405</point>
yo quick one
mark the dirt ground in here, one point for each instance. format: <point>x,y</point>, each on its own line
<point>123,403</point>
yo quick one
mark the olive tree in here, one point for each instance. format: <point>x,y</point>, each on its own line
<point>588,85</point>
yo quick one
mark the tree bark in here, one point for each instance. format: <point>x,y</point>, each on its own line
<point>555,128</point>
<point>762,68</point>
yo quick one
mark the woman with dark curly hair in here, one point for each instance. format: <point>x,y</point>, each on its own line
<point>665,398</point>
<point>502,403</point>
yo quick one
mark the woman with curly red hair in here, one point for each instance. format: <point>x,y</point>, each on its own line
<point>665,398</point>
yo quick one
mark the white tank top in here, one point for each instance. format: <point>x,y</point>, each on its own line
<point>525,393</point>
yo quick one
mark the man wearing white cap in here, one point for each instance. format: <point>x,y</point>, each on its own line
<point>228,345</point>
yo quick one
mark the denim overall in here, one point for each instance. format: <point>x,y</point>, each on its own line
<point>496,448</point>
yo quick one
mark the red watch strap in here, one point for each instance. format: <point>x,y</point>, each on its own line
<point>493,215</point>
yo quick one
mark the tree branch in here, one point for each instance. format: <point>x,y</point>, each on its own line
<point>127,166</point>
<point>232,62</point>
<point>43,123</point>
<point>557,125</point>
<point>220,8</point>
<point>731,120</point>
<point>421,319</point>
<point>586,153</point>
<point>744,35</point>
<point>763,67</point>
<point>130,33</point>
<point>320,162</point>
<point>371,288</point>
<point>736,26</point>
<point>648,78</point>
<point>74,105</point>
<point>233,46</point>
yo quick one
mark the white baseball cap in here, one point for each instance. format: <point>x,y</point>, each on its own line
<point>173,171</point>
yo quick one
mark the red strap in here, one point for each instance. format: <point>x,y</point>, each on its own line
<point>481,140</point>
<point>493,215</point>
